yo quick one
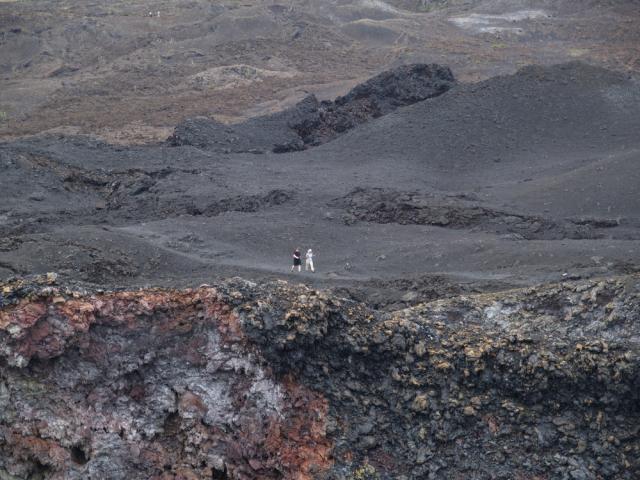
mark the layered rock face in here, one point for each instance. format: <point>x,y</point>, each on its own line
<point>278,381</point>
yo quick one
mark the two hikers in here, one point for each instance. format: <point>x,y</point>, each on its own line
<point>297,260</point>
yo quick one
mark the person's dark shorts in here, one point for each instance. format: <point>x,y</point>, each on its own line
<point>297,262</point>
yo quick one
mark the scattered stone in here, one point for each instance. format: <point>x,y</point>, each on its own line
<point>410,297</point>
<point>469,411</point>
<point>420,403</point>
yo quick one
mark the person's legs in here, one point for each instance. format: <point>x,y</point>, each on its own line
<point>300,267</point>
<point>311,265</point>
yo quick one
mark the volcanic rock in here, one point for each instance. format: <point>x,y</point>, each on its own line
<point>310,122</point>
<point>279,381</point>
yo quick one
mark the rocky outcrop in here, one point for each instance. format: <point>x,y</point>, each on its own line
<point>153,384</point>
<point>279,381</point>
<point>465,211</point>
<point>536,383</point>
<point>311,122</point>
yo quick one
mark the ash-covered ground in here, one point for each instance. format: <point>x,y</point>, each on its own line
<point>128,72</point>
<point>449,162</point>
<point>516,180</point>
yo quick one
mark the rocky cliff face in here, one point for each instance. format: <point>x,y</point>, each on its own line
<point>278,381</point>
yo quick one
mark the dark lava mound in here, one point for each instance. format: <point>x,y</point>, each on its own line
<point>311,122</point>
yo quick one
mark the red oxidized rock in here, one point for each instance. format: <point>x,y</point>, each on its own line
<point>163,383</point>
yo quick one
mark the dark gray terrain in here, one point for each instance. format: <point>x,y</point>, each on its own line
<point>515,180</point>
<point>129,72</point>
<point>467,173</point>
<point>310,122</point>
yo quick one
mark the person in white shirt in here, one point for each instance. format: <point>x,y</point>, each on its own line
<point>309,261</point>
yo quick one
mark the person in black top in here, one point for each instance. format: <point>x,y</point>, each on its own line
<point>297,260</point>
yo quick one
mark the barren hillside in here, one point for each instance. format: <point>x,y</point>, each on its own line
<point>466,172</point>
<point>129,71</point>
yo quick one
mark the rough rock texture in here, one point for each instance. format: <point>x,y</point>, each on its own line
<point>311,122</point>
<point>536,383</point>
<point>379,205</point>
<point>152,384</point>
<point>395,294</point>
<point>280,381</point>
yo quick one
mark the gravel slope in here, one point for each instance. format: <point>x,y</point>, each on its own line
<point>548,156</point>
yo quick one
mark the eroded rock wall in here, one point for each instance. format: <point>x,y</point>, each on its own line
<point>536,383</point>
<point>152,384</point>
<point>281,381</point>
